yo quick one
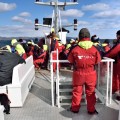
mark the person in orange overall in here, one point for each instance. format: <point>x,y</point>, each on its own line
<point>115,54</point>
<point>84,57</point>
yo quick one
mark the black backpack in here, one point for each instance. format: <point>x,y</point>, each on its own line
<point>4,100</point>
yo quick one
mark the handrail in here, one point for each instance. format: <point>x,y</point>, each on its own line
<point>105,99</point>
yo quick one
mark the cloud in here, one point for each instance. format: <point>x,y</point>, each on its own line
<point>96,7</point>
<point>107,14</point>
<point>72,13</point>
<point>64,21</point>
<point>81,23</point>
<point>7,7</point>
<point>104,25</point>
<point>22,31</point>
<point>25,14</point>
<point>21,19</point>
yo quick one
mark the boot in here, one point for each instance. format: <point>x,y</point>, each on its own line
<point>92,113</point>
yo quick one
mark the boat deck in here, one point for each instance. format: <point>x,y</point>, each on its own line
<point>38,105</point>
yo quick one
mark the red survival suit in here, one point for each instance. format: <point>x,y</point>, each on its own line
<point>103,66</point>
<point>106,47</point>
<point>56,46</point>
<point>84,56</point>
<point>115,54</point>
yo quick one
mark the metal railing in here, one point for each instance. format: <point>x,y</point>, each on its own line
<point>103,91</point>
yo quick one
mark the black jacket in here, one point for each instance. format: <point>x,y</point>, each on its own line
<point>7,62</point>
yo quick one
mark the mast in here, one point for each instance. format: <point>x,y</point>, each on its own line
<point>56,17</point>
<point>56,5</point>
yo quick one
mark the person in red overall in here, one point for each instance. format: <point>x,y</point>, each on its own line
<point>106,45</point>
<point>84,57</point>
<point>103,66</point>
<point>54,47</point>
<point>115,54</point>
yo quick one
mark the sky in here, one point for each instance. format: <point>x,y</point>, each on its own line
<point>101,17</point>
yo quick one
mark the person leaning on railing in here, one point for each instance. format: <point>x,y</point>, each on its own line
<point>84,57</point>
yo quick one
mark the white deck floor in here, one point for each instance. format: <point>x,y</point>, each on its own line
<point>38,106</point>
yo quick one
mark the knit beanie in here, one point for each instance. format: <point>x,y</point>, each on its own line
<point>95,38</point>
<point>118,32</point>
<point>84,33</point>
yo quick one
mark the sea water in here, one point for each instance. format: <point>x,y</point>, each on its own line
<point>8,42</point>
<point>4,42</point>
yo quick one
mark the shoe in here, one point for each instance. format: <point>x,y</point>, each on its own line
<point>92,113</point>
<point>69,109</point>
<point>118,98</point>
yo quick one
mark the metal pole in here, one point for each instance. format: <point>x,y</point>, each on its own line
<point>53,19</point>
<point>111,77</point>
<point>52,82</point>
<point>58,97</point>
<point>60,24</point>
<point>56,17</point>
<point>107,83</point>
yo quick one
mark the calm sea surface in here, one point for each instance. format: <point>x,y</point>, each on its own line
<point>4,42</point>
<point>8,42</point>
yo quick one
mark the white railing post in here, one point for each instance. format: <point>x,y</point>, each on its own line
<point>111,78</point>
<point>98,76</point>
<point>107,98</point>
<point>107,83</point>
<point>119,111</point>
<point>57,85</point>
<point>52,81</point>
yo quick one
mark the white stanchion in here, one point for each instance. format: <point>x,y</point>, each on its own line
<point>105,97</point>
<point>1,112</point>
<point>57,82</point>
<point>22,79</point>
<point>52,82</point>
<point>119,112</point>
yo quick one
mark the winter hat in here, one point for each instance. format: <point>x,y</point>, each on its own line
<point>106,41</point>
<point>13,41</point>
<point>118,32</point>
<point>55,36</point>
<point>94,38</point>
<point>84,33</point>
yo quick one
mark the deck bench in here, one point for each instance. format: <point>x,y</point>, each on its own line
<point>22,79</point>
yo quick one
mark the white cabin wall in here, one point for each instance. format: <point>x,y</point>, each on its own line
<point>62,36</point>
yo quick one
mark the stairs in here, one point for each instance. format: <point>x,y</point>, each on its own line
<point>65,90</point>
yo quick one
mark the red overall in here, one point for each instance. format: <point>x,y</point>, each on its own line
<point>24,56</point>
<point>115,54</point>
<point>54,55</point>
<point>84,73</point>
<point>60,48</point>
<point>106,48</point>
<point>40,59</point>
<point>103,66</point>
